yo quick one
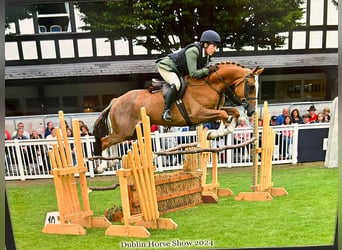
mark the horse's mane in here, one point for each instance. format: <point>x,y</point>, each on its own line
<point>230,63</point>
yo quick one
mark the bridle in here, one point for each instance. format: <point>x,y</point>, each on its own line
<point>231,93</point>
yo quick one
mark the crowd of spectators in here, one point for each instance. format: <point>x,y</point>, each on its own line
<point>37,154</point>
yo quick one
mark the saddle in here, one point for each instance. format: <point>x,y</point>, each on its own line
<point>158,85</point>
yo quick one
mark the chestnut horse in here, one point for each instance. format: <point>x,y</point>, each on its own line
<point>203,99</point>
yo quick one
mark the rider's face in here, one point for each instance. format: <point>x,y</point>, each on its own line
<point>210,49</point>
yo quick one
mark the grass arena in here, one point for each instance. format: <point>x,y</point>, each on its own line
<point>304,217</point>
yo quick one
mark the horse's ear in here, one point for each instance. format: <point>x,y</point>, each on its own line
<point>257,70</point>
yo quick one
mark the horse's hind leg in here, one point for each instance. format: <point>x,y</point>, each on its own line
<point>106,143</point>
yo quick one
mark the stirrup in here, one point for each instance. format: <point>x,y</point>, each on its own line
<point>167,115</point>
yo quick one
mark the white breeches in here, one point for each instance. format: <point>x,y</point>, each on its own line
<point>170,77</point>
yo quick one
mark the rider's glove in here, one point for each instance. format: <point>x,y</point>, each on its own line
<point>212,68</point>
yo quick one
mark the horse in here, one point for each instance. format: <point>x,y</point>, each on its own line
<point>203,99</point>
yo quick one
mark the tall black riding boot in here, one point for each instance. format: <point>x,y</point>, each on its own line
<point>169,99</point>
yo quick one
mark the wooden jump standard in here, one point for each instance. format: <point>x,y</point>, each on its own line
<point>138,169</point>
<point>211,191</point>
<point>73,217</point>
<point>262,188</point>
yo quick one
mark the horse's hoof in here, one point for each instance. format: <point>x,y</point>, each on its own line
<point>99,170</point>
<point>210,136</point>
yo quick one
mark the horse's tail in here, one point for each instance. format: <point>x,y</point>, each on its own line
<point>101,129</point>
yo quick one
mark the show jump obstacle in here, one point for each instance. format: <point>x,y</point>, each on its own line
<point>196,162</point>
<point>73,217</point>
<point>262,186</point>
<point>138,169</point>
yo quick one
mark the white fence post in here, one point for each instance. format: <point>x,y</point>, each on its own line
<point>229,152</point>
<point>88,149</point>
<point>295,144</point>
<point>19,159</point>
<point>159,161</point>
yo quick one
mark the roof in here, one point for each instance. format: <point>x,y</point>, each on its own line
<point>149,66</point>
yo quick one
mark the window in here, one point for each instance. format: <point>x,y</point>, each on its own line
<point>293,88</point>
<point>12,104</point>
<point>52,102</point>
<point>33,103</point>
<point>70,101</point>
<point>91,103</point>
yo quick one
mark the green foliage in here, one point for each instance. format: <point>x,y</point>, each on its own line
<point>15,13</point>
<point>175,23</point>
<point>305,217</point>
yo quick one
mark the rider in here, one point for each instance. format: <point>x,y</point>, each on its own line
<point>192,60</point>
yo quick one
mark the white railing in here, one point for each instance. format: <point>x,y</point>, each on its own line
<point>28,159</point>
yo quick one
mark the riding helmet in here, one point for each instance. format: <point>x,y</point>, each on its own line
<point>210,36</point>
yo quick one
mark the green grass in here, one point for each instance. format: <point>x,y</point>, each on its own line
<point>306,216</point>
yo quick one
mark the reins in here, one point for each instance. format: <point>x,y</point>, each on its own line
<point>231,93</point>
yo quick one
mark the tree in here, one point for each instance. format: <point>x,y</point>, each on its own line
<point>15,13</point>
<point>170,24</point>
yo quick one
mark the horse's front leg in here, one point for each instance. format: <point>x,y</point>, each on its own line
<point>222,130</point>
<point>235,113</point>
<point>215,133</point>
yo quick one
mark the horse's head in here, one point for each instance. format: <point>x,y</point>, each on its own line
<point>250,90</point>
<point>240,85</point>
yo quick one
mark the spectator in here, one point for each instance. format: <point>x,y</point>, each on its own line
<point>281,118</point>
<point>296,118</point>
<point>24,151</point>
<point>66,124</point>
<point>37,151</point>
<point>154,128</point>
<point>7,135</point>
<point>320,118</point>
<point>273,121</point>
<point>52,135</point>
<point>25,133</point>
<point>326,114</point>
<point>20,134</point>
<point>260,122</point>
<point>240,138</point>
<point>72,146</point>
<point>306,118</point>
<point>81,123</point>
<point>35,135</point>
<point>287,138</point>
<point>212,124</point>
<point>48,128</point>
<point>251,121</point>
<point>8,151</point>
<point>69,132</point>
<point>85,130</point>
<point>312,113</point>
